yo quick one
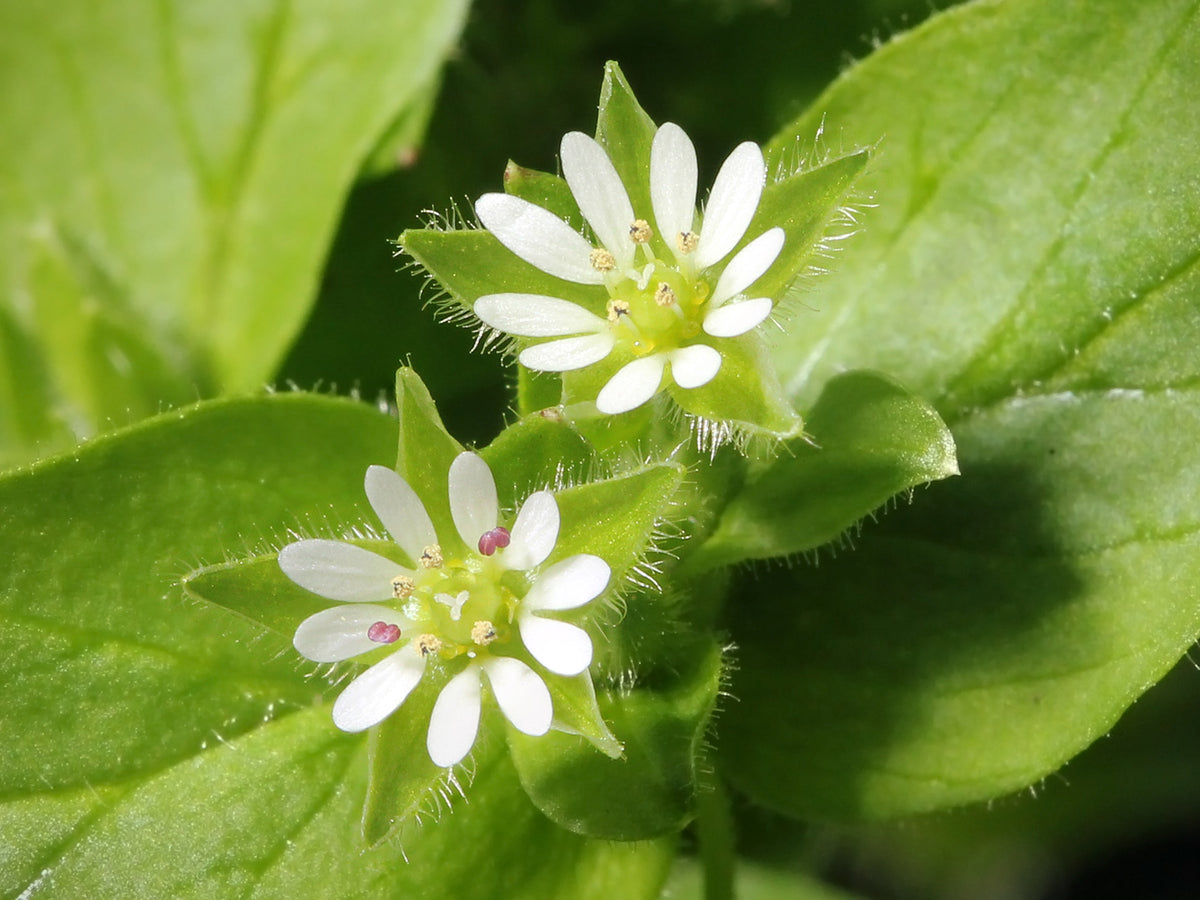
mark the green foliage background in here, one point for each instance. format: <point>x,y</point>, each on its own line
<point>196,200</point>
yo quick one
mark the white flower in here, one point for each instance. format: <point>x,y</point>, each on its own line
<point>658,309</point>
<point>448,607</point>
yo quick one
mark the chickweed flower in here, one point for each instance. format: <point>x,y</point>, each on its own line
<point>670,301</point>
<point>475,616</point>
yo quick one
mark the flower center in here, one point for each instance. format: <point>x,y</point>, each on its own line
<point>660,311</point>
<point>456,605</point>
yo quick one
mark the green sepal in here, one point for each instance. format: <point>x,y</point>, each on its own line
<point>615,519</point>
<point>803,205</point>
<point>535,453</point>
<point>745,393</point>
<point>576,711</point>
<point>651,788</point>
<point>870,441</point>
<point>256,589</point>
<point>425,450</point>
<point>545,190</point>
<point>401,778</point>
<point>538,390</point>
<point>470,262</point>
<point>625,130</point>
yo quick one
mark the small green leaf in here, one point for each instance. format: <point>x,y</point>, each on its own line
<point>871,440</point>
<point>626,132</point>
<point>576,710</point>
<point>536,453</point>
<point>650,789</point>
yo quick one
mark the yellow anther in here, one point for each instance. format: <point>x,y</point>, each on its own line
<point>483,633</point>
<point>429,643</point>
<point>664,295</point>
<point>639,231</point>
<point>602,260</point>
<point>686,241</point>
<point>402,587</point>
<point>431,557</point>
<point>616,309</point>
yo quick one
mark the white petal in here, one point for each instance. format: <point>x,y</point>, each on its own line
<point>695,365</point>
<point>731,204</point>
<point>539,237</point>
<point>341,632</point>
<point>750,263</point>
<point>672,181</point>
<point>633,385</point>
<point>562,648</point>
<point>400,510</point>
<point>378,692</point>
<point>600,194</point>
<point>567,354</point>
<point>339,571</point>
<point>568,584</point>
<point>523,696</point>
<point>737,318</point>
<point>455,719</point>
<point>534,315</point>
<point>534,533</point>
<point>473,503</point>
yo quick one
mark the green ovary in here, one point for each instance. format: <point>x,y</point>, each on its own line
<point>488,600</point>
<point>664,315</point>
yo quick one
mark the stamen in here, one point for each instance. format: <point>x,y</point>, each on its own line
<point>602,260</point>
<point>431,557</point>
<point>429,643</point>
<point>496,539</point>
<point>383,633</point>
<point>639,231</point>
<point>687,241</point>
<point>483,633</point>
<point>616,309</point>
<point>402,587</point>
<point>664,295</point>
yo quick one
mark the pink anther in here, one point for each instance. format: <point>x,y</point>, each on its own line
<point>496,539</point>
<point>383,633</point>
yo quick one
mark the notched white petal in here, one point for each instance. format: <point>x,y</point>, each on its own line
<point>672,181</point>
<point>521,694</point>
<point>535,315</point>
<point>568,584</point>
<point>400,510</point>
<point>534,533</point>
<point>749,265</point>
<point>539,237</point>
<point>732,203</point>
<point>455,719</point>
<point>694,366</point>
<point>737,318</point>
<point>600,194</point>
<point>333,635</point>
<point>378,692</point>
<point>567,354</point>
<point>473,502</point>
<point>632,385</point>
<point>339,571</point>
<point>561,647</point>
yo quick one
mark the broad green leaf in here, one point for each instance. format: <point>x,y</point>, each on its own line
<point>536,453</point>
<point>871,440</point>
<point>163,747</point>
<point>170,177</point>
<point>650,789</point>
<point>625,130</point>
<point>1032,270</point>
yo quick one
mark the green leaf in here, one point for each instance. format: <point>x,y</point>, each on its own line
<point>650,789</point>
<point>625,130</point>
<point>1033,270</point>
<point>156,243</point>
<point>163,747</point>
<point>535,453</point>
<point>871,440</point>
